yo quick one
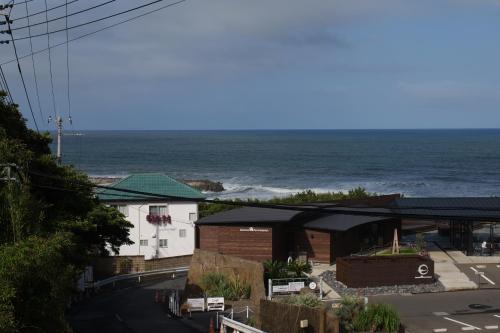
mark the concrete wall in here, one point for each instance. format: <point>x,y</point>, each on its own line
<point>206,261</point>
<point>277,317</point>
<point>108,266</point>
<point>143,230</point>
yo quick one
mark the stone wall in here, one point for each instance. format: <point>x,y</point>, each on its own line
<point>205,261</point>
<point>277,317</point>
<point>116,265</point>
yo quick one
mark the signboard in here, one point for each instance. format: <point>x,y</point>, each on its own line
<point>423,270</point>
<point>196,304</point>
<point>312,285</point>
<point>215,303</point>
<point>280,289</point>
<point>252,229</point>
<point>295,286</point>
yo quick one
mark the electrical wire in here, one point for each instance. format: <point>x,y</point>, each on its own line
<point>21,74</point>
<point>34,68</point>
<point>67,67</point>
<point>42,11</point>
<point>64,16</point>
<point>97,31</point>
<point>50,63</point>
<point>4,80</point>
<point>102,18</point>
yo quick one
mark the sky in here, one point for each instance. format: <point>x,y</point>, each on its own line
<point>275,64</point>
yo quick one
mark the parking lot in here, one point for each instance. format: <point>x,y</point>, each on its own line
<point>475,310</point>
<point>485,275</point>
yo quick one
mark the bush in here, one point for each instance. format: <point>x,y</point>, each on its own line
<point>378,318</point>
<point>348,311</point>
<point>275,269</point>
<point>420,243</point>
<point>298,267</point>
<point>217,285</point>
<point>308,300</point>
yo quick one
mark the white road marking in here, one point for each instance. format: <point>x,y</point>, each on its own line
<point>498,266</point>
<point>491,327</point>
<point>483,276</point>
<point>441,313</point>
<point>462,323</point>
<point>467,328</point>
<point>437,330</point>
<point>496,316</point>
<point>481,266</point>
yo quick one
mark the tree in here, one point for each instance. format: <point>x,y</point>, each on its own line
<point>50,223</point>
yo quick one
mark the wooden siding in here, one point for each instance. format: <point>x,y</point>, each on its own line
<point>316,243</point>
<point>238,241</point>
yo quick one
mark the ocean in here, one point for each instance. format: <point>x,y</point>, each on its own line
<point>264,164</point>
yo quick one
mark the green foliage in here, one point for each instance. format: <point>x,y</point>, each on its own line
<point>308,300</point>
<point>219,285</point>
<point>420,243</point>
<point>348,311</point>
<point>206,209</point>
<point>50,222</point>
<point>36,283</point>
<point>402,251</point>
<point>275,269</point>
<point>378,318</point>
<point>299,267</point>
<point>279,269</point>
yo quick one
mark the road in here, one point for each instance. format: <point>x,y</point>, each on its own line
<point>448,312</point>
<point>131,310</point>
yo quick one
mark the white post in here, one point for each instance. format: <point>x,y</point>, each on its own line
<point>270,287</point>
<point>247,311</point>
<point>232,313</point>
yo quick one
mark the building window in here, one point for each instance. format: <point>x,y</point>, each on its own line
<point>158,210</point>
<point>143,242</point>
<point>163,242</point>
<point>121,208</point>
<point>182,233</point>
<point>193,217</point>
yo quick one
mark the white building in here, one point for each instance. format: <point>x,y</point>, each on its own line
<point>162,227</point>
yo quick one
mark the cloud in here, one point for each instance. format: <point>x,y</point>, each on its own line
<point>449,93</point>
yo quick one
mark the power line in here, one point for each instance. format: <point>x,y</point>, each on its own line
<point>97,31</point>
<point>34,68</point>
<point>11,4</point>
<point>42,11</point>
<point>4,80</point>
<point>50,63</point>
<point>62,17</point>
<point>67,65</point>
<point>102,18</point>
<point>21,73</point>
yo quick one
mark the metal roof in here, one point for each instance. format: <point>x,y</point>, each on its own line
<point>341,222</point>
<point>156,183</point>
<point>251,215</point>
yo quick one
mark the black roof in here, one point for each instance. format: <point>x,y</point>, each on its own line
<point>341,222</point>
<point>250,214</point>
<point>344,217</point>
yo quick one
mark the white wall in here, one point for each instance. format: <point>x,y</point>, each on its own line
<point>143,230</point>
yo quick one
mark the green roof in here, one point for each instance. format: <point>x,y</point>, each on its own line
<point>156,183</point>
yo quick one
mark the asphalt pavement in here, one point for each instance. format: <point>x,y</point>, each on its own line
<point>132,310</point>
<point>458,311</point>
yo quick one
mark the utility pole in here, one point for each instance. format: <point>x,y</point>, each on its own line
<point>59,126</point>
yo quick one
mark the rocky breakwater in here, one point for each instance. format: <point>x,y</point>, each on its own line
<point>204,185</point>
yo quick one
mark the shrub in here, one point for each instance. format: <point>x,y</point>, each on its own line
<point>348,311</point>
<point>275,269</point>
<point>420,243</point>
<point>298,267</point>
<point>378,318</point>
<point>218,284</point>
<point>307,300</point>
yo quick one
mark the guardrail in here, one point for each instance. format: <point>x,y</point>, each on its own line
<point>138,275</point>
<point>237,326</point>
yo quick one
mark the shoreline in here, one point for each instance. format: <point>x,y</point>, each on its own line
<point>203,185</point>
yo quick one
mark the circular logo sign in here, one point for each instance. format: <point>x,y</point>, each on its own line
<point>312,285</point>
<point>423,269</point>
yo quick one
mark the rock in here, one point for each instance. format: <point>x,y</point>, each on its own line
<point>204,185</point>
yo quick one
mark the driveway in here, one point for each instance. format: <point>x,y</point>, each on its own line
<point>459,311</point>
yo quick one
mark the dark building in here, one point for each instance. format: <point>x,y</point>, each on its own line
<point>342,228</point>
<point>275,234</point>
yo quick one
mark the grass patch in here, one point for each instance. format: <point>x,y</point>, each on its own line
<point>308,300</point>
<point>402,251</point>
